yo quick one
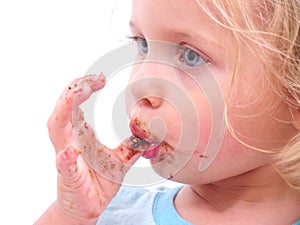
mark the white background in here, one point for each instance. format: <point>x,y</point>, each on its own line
<point>43,46</point>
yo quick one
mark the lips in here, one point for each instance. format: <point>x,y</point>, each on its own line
<point>149,147</point>
<point>139,129</point>
<point>152,151</point>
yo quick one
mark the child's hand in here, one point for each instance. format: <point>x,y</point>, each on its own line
<point>82,193</point>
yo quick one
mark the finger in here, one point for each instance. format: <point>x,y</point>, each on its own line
<point>96,82</point>
<point>66,163</point>
<point>88,85</point>
<point>77,92</point>
<point>80,89</point>
<point>124,153</point>
<point>112,164</point>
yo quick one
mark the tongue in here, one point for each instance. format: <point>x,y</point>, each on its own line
<point>151,152</point>
<point>148,148</point>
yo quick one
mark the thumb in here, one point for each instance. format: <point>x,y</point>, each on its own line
<point>66,164</point>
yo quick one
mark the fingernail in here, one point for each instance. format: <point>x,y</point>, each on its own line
<point>70,152</point>
<point>96,77</point>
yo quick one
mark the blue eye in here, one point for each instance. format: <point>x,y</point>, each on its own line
<point>143,45</point>
<point>191,58</point>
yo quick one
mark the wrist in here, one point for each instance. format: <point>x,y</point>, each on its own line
<point>55,215</point>
<point>66,217</point>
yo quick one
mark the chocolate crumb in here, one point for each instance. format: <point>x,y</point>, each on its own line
<point>136,142</point>
<point>170,177</point>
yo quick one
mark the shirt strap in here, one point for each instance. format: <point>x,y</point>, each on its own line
<point>164,212</point>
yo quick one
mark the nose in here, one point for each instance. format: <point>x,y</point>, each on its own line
<point>148,83</point>
<point>150,79</point>
<point>147,91</point>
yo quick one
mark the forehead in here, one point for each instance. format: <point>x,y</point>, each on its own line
<point>169,7</point>
<point>184,17</point>
<point>168,12</point>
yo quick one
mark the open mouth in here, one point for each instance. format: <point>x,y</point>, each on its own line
<point>149,149</point>
<point>141,140</point>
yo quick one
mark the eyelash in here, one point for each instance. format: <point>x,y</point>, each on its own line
<point>182,52</point>
<point>133,38</point>
<point>136,39</point>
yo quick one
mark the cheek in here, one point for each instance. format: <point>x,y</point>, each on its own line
<point>238,158</point>
<point>231,160</point>
<point>190,127</point>
<point>256,117</point>
<point>205,123</point>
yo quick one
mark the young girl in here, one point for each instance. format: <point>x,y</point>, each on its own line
<point>251,49</point>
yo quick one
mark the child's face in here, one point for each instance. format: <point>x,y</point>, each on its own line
<point>185,24</point>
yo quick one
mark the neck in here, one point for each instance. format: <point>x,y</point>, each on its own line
<point>246,189</point>
<point>261,189</point>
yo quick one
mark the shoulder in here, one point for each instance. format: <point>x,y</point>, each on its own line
<point>133,197</point>
<point>131,205</point>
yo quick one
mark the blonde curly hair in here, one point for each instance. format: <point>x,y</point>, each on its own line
<point>273,25</point>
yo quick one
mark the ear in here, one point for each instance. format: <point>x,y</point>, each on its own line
<point>295,113</point>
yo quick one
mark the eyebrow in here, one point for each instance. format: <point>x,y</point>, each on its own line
<point>132,24</point>
<point>187,35</point>
<point>197,37</point>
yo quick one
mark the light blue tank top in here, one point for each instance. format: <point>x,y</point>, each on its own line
<point>138,206</point>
